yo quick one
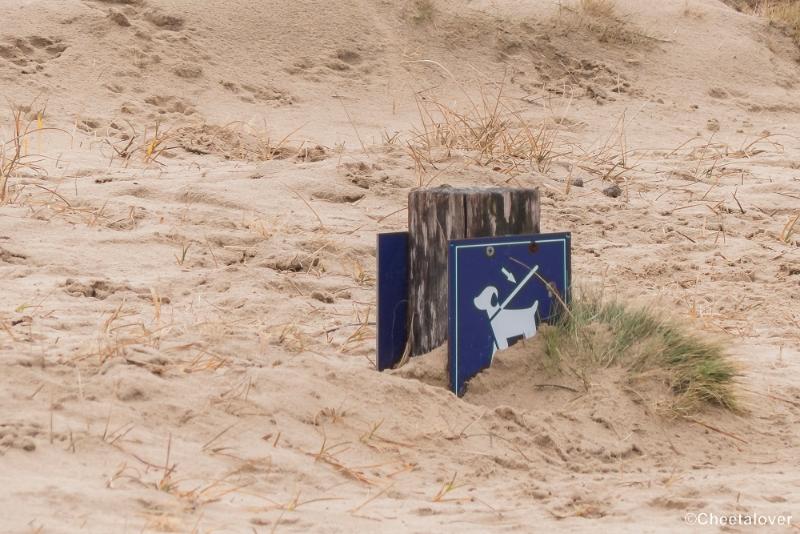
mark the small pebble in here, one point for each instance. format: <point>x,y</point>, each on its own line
<point>322,297</point>
<point>612,191</point>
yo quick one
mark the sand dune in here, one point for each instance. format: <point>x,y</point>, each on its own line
<point>187,263</point>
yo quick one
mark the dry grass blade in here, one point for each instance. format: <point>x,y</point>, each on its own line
<point>347,471</point>
<point>370,499</point>
<point>715,429</point>
<point>447,488</point>
<point>165,484</point>
<point>355,129</point>
<point>216,437</point>
<point>771,396</point>
<point>301,197</point>
<point>326,455</point>
<point>788,229</point>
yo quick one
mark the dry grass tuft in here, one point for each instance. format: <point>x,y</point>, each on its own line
<point>152,144</point>
<point>602,18</point>
<point>596,334</point>
<point>599,8</point>
<point>489,132</point>
<point>784,13</point>
<point>329,455</point>
<point>11,155</point>
<point>14,146</point>
<point>155,144</point>
<point>446,489</point>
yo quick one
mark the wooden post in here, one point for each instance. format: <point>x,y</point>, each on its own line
<point>437,215</point>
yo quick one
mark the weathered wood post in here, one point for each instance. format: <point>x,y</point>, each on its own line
<point>437,215</point>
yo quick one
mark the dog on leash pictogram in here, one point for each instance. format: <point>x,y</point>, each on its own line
<point>508,325</point>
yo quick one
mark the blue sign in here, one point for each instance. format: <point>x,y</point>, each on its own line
<point>500,288</point>
<point>392,299</point>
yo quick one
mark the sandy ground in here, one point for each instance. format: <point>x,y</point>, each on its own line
<point>187,338</point>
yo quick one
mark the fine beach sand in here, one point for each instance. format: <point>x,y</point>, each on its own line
<point>187,314</point>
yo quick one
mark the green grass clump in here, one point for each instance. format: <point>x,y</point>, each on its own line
<point>595,334</point>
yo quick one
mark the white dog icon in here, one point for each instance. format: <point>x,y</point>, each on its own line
<point>506,324</point>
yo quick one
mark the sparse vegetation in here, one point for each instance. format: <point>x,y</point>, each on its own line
<point>599,8</point>
<point>14,147</point>
<point>602,18</point>
<point>422,11</point>
<point>599,334</point>
<point>785,13</point>
<point>488,131</point>
<point>153,144</point>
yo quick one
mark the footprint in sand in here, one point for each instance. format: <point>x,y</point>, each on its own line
<point>32,53</point>
<point>20,436</point>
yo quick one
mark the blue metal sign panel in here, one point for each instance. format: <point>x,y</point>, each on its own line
<point>392,298</point>
<point>499,289</point>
